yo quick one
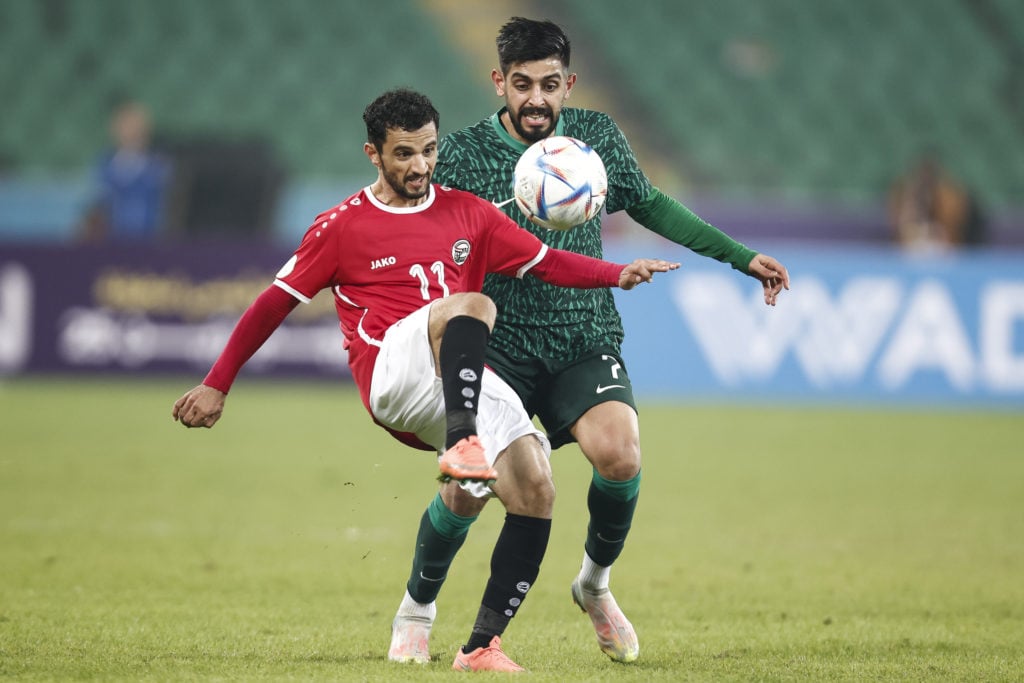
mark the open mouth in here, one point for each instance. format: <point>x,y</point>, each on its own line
<point>535,118</point>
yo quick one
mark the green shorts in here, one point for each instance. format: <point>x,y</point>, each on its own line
<point>558,393</point>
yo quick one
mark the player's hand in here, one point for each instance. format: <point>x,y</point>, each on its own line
<point>773,276</point>
<point>200,407</point>
<point>643,270</point>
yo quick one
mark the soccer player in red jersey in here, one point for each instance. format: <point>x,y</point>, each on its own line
<point>405,261</point>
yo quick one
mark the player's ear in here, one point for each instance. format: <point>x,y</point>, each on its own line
<point>498,79</point>
<point>372,153</point>
<point>570,81</point>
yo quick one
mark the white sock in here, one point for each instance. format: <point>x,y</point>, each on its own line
<point>411,608</point>
<point>593,577</point>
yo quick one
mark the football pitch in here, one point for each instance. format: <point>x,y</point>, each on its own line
<point>770,543</point>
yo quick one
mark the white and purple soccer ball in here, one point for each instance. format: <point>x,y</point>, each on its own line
<point>560,182</point>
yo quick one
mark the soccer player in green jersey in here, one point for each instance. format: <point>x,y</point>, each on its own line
<point>560,348</point>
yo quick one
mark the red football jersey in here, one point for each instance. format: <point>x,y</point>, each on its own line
<point>382,263</point>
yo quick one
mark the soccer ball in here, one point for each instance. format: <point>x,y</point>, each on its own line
<point>560,182</point>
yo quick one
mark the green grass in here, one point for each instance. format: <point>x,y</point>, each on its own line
<point>770,544</point>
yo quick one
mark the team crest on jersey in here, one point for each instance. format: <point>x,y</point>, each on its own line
<point>460,252</point>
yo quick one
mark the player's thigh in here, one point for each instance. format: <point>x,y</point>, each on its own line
<point>597,378</point>
<point>405,392</point>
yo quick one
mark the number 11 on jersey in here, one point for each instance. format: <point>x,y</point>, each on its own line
<point>437,268</point>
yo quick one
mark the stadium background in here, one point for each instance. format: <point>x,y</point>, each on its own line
<point>783,123</point>
<point>766,105</point>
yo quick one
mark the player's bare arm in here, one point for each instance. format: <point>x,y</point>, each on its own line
<point>201,406</point>
<point>643,270</point>
<point>773,276</point>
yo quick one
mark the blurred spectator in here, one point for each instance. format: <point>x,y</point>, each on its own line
<point>133,181</point>
<point>931,210</point>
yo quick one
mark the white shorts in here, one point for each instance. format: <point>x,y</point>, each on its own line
<point>405,395</point>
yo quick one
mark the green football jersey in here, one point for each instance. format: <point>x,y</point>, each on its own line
<point>535,319</point>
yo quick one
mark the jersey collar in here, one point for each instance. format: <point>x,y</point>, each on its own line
<point>499,128</point>
<point>400,209</point>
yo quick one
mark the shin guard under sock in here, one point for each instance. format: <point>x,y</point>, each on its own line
<point>515,564</point>
<point>461,355</point>
<point>441,534</point>
<point>611,505</point>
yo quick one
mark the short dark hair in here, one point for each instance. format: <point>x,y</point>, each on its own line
<point>400,108</point>
<point>527,40</point>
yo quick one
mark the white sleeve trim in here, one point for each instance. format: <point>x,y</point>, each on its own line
<point>291,290</point>
<point>532,262</point>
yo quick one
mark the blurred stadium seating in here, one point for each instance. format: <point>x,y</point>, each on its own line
<point>828,98</point>
<point>297,72</point>
<point>788,99</point>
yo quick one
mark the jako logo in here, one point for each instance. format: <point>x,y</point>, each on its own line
<point>381,262</point>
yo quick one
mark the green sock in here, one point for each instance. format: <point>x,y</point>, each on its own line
<point>611,505</point>
<point>441,534</point>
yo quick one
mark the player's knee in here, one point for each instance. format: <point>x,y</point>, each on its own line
<point>609,436</point>
<point>538,489</point>
<point>616,460</point>
<point>525,484</point>
<point>474,304</point>
<point>461,502</point>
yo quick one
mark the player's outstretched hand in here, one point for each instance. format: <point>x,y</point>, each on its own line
<point>200,407</point>
<point>772,274</point>
<point>643,270</point>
